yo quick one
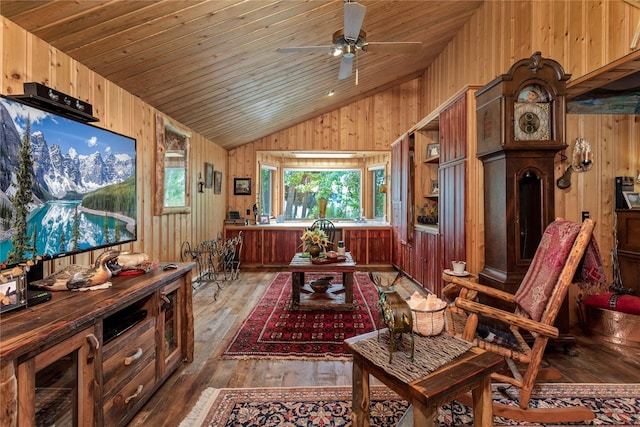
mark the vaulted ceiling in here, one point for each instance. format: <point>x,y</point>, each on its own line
<point>213,65</point>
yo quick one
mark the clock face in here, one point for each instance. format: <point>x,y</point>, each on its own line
<point>531,121</point>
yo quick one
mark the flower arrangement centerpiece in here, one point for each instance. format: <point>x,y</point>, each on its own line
<point>314,241</point>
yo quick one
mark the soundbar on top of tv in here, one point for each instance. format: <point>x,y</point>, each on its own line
<point>53,101</point>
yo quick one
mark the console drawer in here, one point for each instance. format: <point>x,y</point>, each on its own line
<point>126,357</point>
<point>126,401</point>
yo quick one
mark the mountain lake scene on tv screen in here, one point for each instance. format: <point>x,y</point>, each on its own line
<point>83,183</point>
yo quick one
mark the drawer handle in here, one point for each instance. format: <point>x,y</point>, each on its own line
<point>94,345</point>
<point>135,356</point>
<point>134,395</point>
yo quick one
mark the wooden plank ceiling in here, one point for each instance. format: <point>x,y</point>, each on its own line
<point>213,65</point>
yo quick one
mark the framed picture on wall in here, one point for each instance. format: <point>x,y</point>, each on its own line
<point>208,175</point>
<point>633,199</point>
<point>217,182</point>
<point>433,150</point>
<point>435,188</point>
<point>242,186</point>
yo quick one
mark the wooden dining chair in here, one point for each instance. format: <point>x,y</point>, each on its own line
<point>564,247</point>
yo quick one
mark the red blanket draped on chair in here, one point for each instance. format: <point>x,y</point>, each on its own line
<point>547,264</point>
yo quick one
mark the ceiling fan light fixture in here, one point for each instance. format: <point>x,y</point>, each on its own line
<point>335,51</point>
<point>349,51</point>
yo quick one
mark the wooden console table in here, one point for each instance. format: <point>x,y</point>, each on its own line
<point>303,297</point>
<point>469,372</point>
<point>99,355</point>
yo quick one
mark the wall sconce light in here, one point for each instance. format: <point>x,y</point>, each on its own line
<point>200,183</point>
<point>581,161</point>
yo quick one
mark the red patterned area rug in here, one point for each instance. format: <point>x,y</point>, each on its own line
<point>613,404</point>
<point>272,330</point>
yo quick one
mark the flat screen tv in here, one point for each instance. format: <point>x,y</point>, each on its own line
<point>71,188</point>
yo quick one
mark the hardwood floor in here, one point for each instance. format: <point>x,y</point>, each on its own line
<point>217,319</point>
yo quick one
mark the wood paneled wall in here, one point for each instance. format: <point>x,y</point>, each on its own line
<point>367,125</point>
<point>26,58</point>
<point>582,35</point>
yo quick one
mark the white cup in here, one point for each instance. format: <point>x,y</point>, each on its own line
<point>458,266</point>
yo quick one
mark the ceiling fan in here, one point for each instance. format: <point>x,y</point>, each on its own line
<point>351,39</point>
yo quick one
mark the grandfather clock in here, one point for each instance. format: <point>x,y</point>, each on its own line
<point>521,127</point>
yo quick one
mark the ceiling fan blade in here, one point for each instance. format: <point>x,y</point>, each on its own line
<point>393,47</point>
<point>353,18</point>
<point>302,49</point>
<point>346,67</point>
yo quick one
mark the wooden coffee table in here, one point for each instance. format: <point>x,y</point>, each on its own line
<point>337,297</point>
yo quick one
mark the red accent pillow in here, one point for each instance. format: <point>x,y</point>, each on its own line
<point>629,304</point>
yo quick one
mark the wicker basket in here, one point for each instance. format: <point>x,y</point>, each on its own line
<point>428,322</point>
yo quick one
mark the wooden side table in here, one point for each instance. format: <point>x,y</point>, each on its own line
<point>469,372</point>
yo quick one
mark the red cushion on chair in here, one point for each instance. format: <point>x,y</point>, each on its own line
<point>629,304</point>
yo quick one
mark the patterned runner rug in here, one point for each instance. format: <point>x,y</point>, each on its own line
<point>613,404</point>
<point>272,330</point>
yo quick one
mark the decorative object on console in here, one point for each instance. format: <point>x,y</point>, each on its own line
<point>80,276</point>
<point>131,263</point>
<point>45,98</point>
<point>633,199</point>
<point>623,183</point>
<point>12,289</point>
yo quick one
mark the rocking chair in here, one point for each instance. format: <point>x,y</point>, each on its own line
<point>537,302</point>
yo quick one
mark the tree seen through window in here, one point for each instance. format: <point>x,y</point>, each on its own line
<point>303,188</point>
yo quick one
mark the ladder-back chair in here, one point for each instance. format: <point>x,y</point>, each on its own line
<point>563,248</point>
